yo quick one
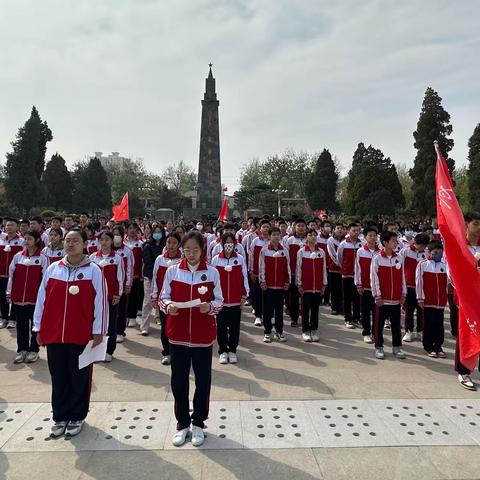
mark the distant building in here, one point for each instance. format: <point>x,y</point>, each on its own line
<point>112,160</point>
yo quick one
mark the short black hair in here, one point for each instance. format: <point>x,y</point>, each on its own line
<point>81,232</point>
<point>353,224</point>
<point>471,216</point>
<point>311,231</point>
<point>386,236</point>
<point>370,228</point>
<point>263,222</point>
<point>194,235</point>
<point>300,220</point>
<point>421,239</point>
<point>324,222</point>
<point>176,236</point>
<point>108,233</point>
<point>226,236</point>
<point>435,245</point>
<point>273,230</point>
<point>36,219</point>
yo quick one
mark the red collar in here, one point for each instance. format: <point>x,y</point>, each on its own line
<point>36,254</point>
<point>177,255</point>
<point>233,255</point>
<point>100,254</point>
<point>307,248</point>
<point>280,247</point>
<point>184,265</point>
<point>384,255</point>
<point>367,248</point>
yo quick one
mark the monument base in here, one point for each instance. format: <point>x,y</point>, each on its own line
<point>204,214</point>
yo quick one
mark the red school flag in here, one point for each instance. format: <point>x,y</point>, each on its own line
<point>321,213</point>
<point>461,263</point>
<point>120,212</point>
<point>224,211</point>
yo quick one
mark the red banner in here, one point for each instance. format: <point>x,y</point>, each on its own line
<point>224,211</point>
<point>462,264</point>
<point>120,212</point>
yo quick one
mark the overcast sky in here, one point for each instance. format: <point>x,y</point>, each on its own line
<point>128,75</point>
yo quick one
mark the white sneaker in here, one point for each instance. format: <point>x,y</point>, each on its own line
<point>349,325</point>
<point>108,358</point>
<point>408,337</point>
<point>368,339</point>
<point>280,337</point>
<point>387,324</point>
<point>466,382</point>
<point>180,437</point>
<point>267,338</point>
<point>379,353</point>
<point>198,436</point>
<point>58,429</point>
<point>3,323</point>
<point>166,360</point>
<point>20,357</point>
<point>223,358</point>
<point>120,338</point>
<point>258,322</point>
<point>74,427</point>
<point>31,357</point>
<point>232,357</point>
<point>11,324</point>
<point>417,336</point>
<point>131,322</point>
<point>145,333</point>
<point>306,337</point>
<point>398,352</point>
<point>315,336</point>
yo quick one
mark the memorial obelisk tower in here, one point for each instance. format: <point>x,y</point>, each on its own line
<point>209,184</point>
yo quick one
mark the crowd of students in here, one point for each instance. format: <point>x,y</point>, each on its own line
<point>76,280</point>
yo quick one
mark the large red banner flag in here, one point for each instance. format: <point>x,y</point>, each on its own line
<point>224,211</point>
<point>462,264</point>
<point>120,212</point>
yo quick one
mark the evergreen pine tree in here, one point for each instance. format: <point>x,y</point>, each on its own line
<point>92,192</point>
<point>357,163</point>
<point>474,169</point>
<point>58,184</point>
<point>321,185</point>
<point>25,163</point>
<point>433,124</point>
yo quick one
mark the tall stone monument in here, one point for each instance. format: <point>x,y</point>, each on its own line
<point>209,184</point>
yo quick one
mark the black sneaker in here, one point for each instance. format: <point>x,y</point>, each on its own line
<point>293,324</point>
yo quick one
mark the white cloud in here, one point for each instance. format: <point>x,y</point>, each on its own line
<point>129,75</point>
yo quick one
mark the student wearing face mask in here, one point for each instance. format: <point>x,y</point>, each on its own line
<point>135,298</point>
<point>322,240</point>
<point>151,251</point>
<point>234,282</point>
<point>431,290</point>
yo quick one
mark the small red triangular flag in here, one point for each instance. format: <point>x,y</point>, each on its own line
<point>224,211</point>
<point>120,212</point>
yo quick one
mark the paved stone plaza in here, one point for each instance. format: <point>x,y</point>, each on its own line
<point>294,410</point>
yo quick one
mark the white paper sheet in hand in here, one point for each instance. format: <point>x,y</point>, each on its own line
<point>90,355</point>
<point>190,304</point>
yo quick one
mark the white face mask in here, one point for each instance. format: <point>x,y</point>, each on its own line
<point>327,230</point>
<point>199,227</point>
<point>228,247</point>
<point>117,240</point>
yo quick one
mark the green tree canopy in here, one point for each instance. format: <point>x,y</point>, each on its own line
<point>433,124</point>
<point>474,169</point>
<point>58,184</point>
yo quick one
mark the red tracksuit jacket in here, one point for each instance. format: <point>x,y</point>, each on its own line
<point>162,262</point>
<point>53,254</point>
<point>431,284</point>
<point>332,248</point>
<point>387,278</point>
<point>113,272</point>
<point>25,276</point>
<point>411,259</point>
<point>363,262</point>
<point>233,277</point>
<point>254,255</point>
<point>72,303</point>
<point>274,267</point>
<point>136,246</point>
<point>8,249</point>
<point>346,256</point>
<point>190,327</point>
<point>294,244</point>
<point>311,271</point>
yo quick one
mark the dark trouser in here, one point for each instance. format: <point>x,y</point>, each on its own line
<point>392,312</point>
<point>140,297</point>
<point>310,310</point>
<point>4,305</point>
<point>335,282</point>
<point>228,329</point>
<point>122,315</point>
<point>257,299</point>
<point>163,334</point>
<point>459,366</point>
<point>273,298</point>
<point>411,305</point>
<point>453,315</point>
<point>70,386</point>
<point>200,359</point>
<point>26,339</point>
<point>326,293</point>
<point>433,330</point>
<point>351,300</point>
<point>294,307</point>
<point>133,298</point>
<point>367,312</point>
<point>112,327</point>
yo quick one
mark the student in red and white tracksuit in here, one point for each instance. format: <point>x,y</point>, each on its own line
<point>389,290</point>
<point>413,255</point>
<point>135,299</point>
<point>346,253</point>
<point>128,264</point>
<point>294,244</point>
<point>234,282</point>
<point>311,277</point>
<point>253,268</point>
<point>322,240</point>
<point>274,278</point>
<point>10,244</point>
<point>24,277</point>
<point>71,310</point>
<point>54,250</point>
<point>172,256</point>
<point>238,249</point>
<point>431,286</point>
<point>92,242</point>
<point>113,271</point>
<point>334,271</point>
<point>191,332</point>
<point>363,261</point>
